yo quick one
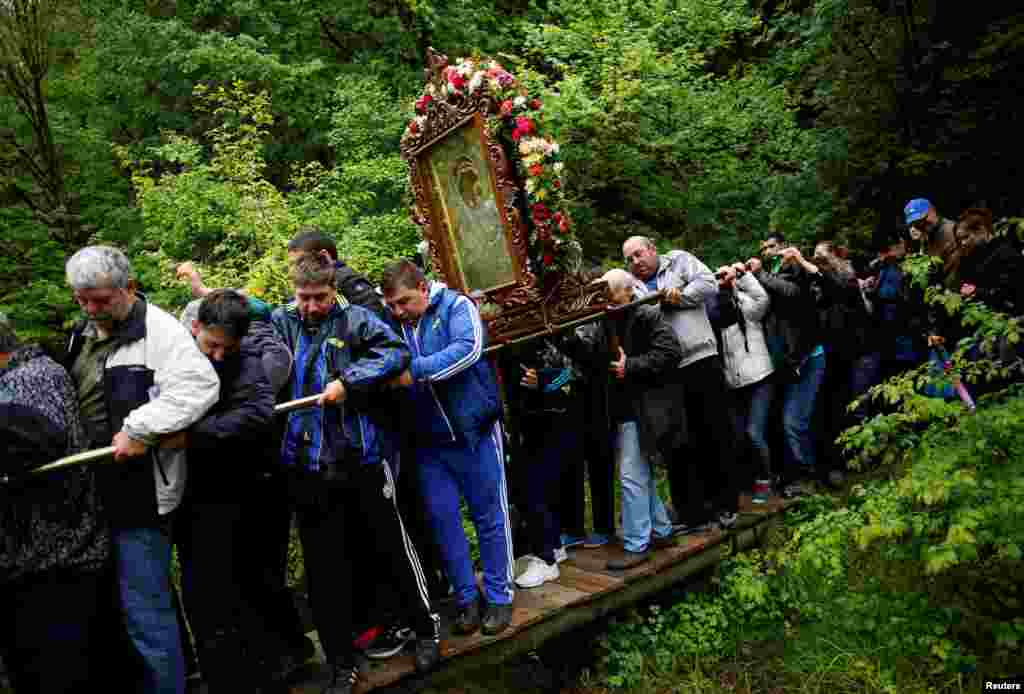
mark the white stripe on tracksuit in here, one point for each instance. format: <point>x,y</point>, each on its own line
<point>410,553</point>
<point>497,435</point>
<point>474,354</point>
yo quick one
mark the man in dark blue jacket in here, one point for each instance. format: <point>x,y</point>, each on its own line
<point>336,457</point>
<point>209,530</point>
<point>458,438</point>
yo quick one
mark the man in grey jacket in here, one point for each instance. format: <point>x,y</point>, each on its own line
<point>702,472</point>
<point>140,378</point>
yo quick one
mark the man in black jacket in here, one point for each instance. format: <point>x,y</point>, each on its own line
<point>644,408</point>
<point>224,451</point>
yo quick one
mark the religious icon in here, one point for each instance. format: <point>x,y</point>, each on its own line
<point>463,193</point>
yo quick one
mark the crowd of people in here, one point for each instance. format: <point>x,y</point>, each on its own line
<point>736,381</point>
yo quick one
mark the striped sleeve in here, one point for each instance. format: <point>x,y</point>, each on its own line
<point>466,344</point>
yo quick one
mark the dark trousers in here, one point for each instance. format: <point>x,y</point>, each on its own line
<point>267,516</point>
<point>55,632</point>
<point>549,442</point>
<point>703,474</point>
<point>229,631</point>
<point>334,519</point>
<point>596,464</point>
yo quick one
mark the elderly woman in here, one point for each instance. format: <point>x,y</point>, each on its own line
<point>54,550</point>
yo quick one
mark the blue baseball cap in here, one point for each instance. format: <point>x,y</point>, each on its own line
<point>916,209</point>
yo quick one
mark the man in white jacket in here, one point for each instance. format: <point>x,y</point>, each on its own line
<point>702,474</point>
<point>140,379</point>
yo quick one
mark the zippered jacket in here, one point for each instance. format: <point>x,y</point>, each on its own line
<point>690,322</point>
<point>356,347</point>
<point>745,356</point>
<point>455,394</point>
<point>155,382</point>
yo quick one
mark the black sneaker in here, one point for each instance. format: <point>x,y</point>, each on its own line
<point>343,680</point>
<point>468,619</point>
<point>428,654</point>
<point>390,643</point>
<point>496,619</point>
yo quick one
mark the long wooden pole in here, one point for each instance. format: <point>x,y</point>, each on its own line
<point>107,454</point>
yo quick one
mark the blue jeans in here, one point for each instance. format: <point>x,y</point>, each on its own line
<point>143,558</point>
<point>642,509</point>
<point>798,400</point>
<point>753,405</point>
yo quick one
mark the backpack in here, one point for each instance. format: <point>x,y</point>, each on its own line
<point>358,290</point>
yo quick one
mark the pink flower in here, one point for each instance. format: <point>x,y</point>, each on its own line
<point>422,103</point>
<point>524,124</point>
<point>505,79</point>
<point>540,213</point>
<point>563,225</point>
<point>506,108</point>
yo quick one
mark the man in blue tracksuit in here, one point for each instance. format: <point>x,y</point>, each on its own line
<point>336,457</point>
<point>455,417</point>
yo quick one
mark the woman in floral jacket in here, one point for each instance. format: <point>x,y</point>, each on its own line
<point>54,548</point>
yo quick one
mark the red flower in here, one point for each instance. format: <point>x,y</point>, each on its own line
<point>422,103</point>
<point>535,104</point>
<point>506,108</point>
<point>563,225</point>
<point>557,184</point>
<point>536,170</point>
<point>548,259</point>
<point>454,78</point>
<point>540,213</point>
<point>414,128</point>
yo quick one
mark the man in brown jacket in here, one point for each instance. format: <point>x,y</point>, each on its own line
<point>936,234</point>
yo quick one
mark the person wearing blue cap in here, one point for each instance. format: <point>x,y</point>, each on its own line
<point>936,234</point>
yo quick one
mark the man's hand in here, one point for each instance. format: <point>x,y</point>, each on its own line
<point>739,268</point>
<point>126,447</point>
<point>754,265</point>
<point>529,379</point>
<point>673,296</point>
<point>333,394</point>
<point>967,290</point>
<point>402,379</point>
<point>179,440</point>
<point>619,367</point>
<point>187,271</point>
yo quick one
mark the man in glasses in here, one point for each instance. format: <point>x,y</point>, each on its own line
<point>936,234</point>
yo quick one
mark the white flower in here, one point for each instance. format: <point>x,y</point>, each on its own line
<point>465,69</point>
<point>475,83</point>
<point>519,102</point>
<point>554,148</point>
<point>531,184</point>
<point>558,166</point>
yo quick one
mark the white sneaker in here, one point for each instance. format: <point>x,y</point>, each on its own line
<point>538,573</point>
<point>561,555</point>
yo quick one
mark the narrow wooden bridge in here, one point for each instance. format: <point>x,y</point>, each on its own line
<point>585,592</point>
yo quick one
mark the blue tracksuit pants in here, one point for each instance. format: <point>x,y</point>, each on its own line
<point>449,473</point>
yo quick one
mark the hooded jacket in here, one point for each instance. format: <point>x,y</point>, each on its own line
<point>745,356</point>
<point>52,521</point>
<point>996,269</point>
<point>356,347</point>
<point>155,382</point>
<point>454,394</point>
<point>791,327</point>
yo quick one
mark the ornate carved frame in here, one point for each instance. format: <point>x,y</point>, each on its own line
<point>511,310</point>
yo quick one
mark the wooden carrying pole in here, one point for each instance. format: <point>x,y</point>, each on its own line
<point>107,454</point>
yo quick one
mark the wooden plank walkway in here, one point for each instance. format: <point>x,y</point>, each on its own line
<point>585,591</point>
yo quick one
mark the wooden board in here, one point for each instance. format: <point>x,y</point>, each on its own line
<point>585,579</point>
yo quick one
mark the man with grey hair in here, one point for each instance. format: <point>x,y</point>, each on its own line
<point>702,472</point>
<point>644,408</point>
<point>140,378</point>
